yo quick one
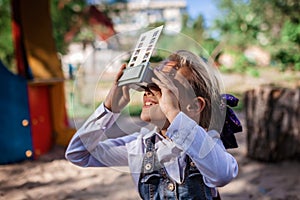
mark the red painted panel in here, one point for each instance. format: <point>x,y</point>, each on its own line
<point>40,118</point>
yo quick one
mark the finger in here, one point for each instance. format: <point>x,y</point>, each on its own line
<point>163,77</point>
<point>158,83</point>
<point>180,83</point>
<point>168,78</point>
<point>163,87</point>
<point>126,92</point>
<point>156,93</point>
<point>166,83</point>
<point>120,72</point>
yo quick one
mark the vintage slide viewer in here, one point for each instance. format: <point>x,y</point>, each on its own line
<point>138,73</point>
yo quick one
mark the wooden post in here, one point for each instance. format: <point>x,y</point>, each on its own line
<point>273,123</point>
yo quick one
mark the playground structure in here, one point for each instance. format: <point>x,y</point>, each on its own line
<point>34,115</point>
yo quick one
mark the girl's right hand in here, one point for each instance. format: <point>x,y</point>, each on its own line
<point>118,97</point>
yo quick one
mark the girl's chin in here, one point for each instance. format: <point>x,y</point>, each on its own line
<point>147,118</point>
<point>160,122</point>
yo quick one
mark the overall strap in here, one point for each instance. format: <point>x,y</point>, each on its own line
<point>191,168</point>
<point>149,164</point>
<point>154,182</point>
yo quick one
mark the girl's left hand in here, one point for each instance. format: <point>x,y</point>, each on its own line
<point>168,96</point>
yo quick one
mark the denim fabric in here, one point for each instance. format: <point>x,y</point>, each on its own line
<point>155,184</point>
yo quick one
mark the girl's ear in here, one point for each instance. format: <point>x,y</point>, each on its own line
<point>196,106</point>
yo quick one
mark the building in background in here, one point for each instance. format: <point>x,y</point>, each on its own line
<point>138,14</point>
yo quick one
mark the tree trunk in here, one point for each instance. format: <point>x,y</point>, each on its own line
<point>273,123</point>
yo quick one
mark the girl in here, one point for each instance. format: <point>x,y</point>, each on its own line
<point>183,157</point>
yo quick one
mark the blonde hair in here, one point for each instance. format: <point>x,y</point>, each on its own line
<point>205,83</point>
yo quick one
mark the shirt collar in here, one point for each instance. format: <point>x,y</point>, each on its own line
<point>152,133</point>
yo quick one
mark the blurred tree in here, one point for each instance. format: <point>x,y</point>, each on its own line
<point>6,44</point>
<point>82,22</point>
<point>272,24</point>
<point>193,28</point>
<point>185,20</point>
<point>65,14</point>
<point>198,28</point>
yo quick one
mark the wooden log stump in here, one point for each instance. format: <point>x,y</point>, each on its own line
<point>273,123</point>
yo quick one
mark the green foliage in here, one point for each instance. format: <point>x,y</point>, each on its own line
<point>288,57</point>
<point>6,43</point>
<point>291,32</point>
<point>194,28</point>
<point>135,110</point>
<point>73,16</point>
<point>64,18</point>
<point>241,65</point>
<point>271,24</point>
<point>210,45</point>
<point>252,71</point>
<point>185,20</point>
<point>288,54</point>
<point>156,58</point>
<point>240,105</point>
<point>156,24</point>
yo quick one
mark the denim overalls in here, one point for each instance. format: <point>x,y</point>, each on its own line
<point>155,184</point>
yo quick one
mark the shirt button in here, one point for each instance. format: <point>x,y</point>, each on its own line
<point>149,154</point>
<point>176,134</point>
<point>171,186</point>
<point>148,166</point>
<point>192,164</point>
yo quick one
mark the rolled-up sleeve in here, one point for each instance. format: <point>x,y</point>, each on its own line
<point>206,150</point>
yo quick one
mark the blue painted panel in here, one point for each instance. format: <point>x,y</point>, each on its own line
<point>15,133</point>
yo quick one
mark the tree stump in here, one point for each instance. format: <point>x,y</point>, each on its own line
<point>273,123</point>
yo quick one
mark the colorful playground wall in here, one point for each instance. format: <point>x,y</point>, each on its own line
<point>26,128</point>
<point>15,133</point>
<point>33,113</point>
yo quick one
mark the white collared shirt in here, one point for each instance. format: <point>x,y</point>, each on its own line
<point>90,146</point>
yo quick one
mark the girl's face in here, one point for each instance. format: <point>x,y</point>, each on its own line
<point>151,111</point>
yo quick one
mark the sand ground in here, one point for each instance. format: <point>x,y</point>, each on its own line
<point>53,177</point>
